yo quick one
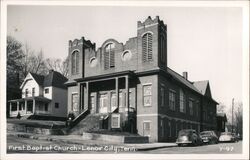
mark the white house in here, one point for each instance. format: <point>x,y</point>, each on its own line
<point>41,95</point>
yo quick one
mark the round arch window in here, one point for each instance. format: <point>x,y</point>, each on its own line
<point>93,62</point>
<point>127,55</point>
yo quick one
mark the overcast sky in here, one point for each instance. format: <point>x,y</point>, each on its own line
<point>206,42</point>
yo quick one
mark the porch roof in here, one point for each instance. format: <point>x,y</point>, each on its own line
<point>37,98</point>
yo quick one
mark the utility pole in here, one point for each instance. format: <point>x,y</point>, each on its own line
<point>232,113</point>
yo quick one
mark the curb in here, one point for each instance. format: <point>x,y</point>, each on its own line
<point>153,148</point>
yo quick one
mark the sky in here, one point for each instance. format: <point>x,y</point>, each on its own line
<point>204,41</point>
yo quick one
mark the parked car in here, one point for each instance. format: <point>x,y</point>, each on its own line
<point>227,137</point>
<point>209,137</point>
<point>188,137</point>
<point>236,137</point>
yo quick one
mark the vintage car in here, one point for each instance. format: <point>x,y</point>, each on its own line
<point>227,137</point>
<point>188,137</point>
<point>209,137</point>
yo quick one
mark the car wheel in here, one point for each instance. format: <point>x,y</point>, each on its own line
<point>179,145</point>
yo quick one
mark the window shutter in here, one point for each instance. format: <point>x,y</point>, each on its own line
<point>112,58</point>
<point>144,48</point>
<point>106,60</point>
<point>147,44</point>
<point>77,62</point>
<point>150,56</point>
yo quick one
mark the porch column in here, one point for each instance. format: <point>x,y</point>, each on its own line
<point>34,105</point>
<point>127,92</point>
<point>79,98</point>
<point>87,94</point>
<point>117,92</point>
<point>10,108</point>
<point>17,107</point>
<point>25,106</point>
<point>82,96</point>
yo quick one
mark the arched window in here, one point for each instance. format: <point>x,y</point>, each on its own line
<point>109,56</point>
<point>147,40</point>
<point>75,62</point>
<point>182,102</point>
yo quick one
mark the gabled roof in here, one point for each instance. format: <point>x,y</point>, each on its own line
<point>55,79</point>
<point>203,87</point>
<point>38,78</point>
<point>182,80</point>
<point>200,87</point>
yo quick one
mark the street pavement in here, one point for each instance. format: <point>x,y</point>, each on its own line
<point>26,145</point>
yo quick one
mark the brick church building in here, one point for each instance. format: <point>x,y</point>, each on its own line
<point>131,87</point>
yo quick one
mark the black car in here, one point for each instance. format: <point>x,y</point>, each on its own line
<point>188,137</point>
<point>209,137</point>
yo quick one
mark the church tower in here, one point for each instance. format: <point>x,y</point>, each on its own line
<point>152,44</point>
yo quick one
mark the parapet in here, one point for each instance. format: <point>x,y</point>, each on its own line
<point>150,21</point>
<point>82,41</point>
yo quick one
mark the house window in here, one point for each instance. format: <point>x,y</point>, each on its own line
<point>33,92</point>
<point>170,129</point>
<point>147,95</point>
<point>115,121</point>
<point>197,108</point>
<point>171,100</point>
<point>130,100</point>
<point>46,107</point>
<point>146,129</point>
<point>92,102</point>
<point>56,105</point>
<point>162,128</point>
<point>120,100</point>
<point>46,90</point>
<point>113,102</point>
<point>75,62</point>
<point>162,95</point>
<point>191,107</point>
<point>26,92</point>
<point>103,103</point>
<point>182,102</point>
<point>109,56</point>
<point>176,129</point>
<point>147,41</point>
<point>75,102</point>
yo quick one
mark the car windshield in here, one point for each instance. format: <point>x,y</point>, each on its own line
<point>205,133</point>
<point>226,133</point>
<point>185,132</point>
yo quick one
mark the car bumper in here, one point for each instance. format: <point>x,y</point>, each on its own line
<point>183,142</point>
<point>225,140</point>
<point>205,140</point>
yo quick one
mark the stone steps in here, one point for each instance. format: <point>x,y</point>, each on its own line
<point>88,124</point>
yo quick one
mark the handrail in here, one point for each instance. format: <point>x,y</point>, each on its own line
<point>79,118</point>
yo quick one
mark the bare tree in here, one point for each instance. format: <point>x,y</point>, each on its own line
<point>238,122</point>
<point>221,108</point>
<point>58,65</point>
<point>32,62</point>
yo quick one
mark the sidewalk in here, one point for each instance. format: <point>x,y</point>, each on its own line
<point>77,139</point>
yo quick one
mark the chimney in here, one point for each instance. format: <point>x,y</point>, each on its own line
<point>185,75</point>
